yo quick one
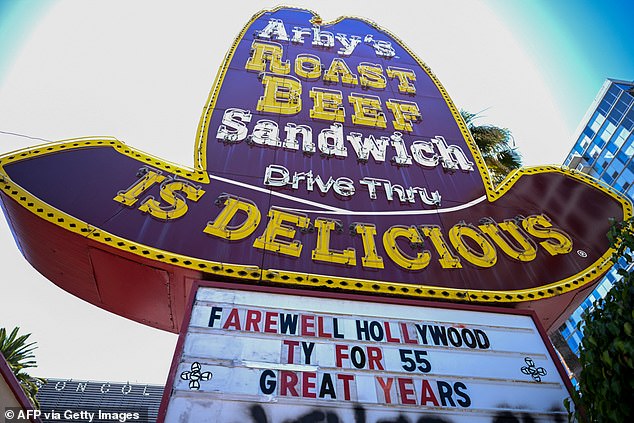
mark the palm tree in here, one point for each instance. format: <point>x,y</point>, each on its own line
<point>19,356</point>
<point>496,145</point>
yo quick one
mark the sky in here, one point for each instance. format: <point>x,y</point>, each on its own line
<point>141,72</point>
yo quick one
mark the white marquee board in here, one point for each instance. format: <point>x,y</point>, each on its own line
<point>265,357</point>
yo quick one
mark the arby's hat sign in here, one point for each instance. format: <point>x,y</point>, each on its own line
<point>328,156</point>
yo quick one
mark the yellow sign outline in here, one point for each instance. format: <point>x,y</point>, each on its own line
<point>255,274</point>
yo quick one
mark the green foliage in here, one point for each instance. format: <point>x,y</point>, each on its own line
<point>496,146</point>
<point>606,383</point>
<point>19,356</point>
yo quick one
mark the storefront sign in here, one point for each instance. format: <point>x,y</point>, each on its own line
<point>328,155</point>
<point>270,357</point>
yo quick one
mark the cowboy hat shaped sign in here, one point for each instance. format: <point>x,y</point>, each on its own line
<point>328,156</point>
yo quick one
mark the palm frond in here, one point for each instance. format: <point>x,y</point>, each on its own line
<point>19,355</point>
<point>496,145</point>
<point>510,159</point>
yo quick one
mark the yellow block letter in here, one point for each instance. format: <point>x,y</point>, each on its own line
<point>276,228</point>
<point>170,193</point>
<point>339,68</point>
<point>322,251</point>
<point>405,76</point>
<point>557,241</point>
<point>308,66</point>
<point>523,249</point>
<point>261,53</point>
<point>371,259</point>
<point>327,105</point>
<point>447,260</point>
<point>220,227</point>
<point>282,94</point>
<point>371,76</point>
<point>405,112</point>
<point>397,255</point>
<point>132,194</point>
<point>367,110</point>
<point>486,257</point>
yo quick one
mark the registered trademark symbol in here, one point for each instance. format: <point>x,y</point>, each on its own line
<point>582,253</point>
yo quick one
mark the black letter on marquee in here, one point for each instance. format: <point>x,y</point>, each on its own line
<point>422,332</point>
<point>454,337</point>
<point>308,350</point>
<point>362,330</point>
<point>286,321</point>
<point>214,315</point>
<point>482,338</point>
<point>465,401</point>
<point>438,334</point>
<point>357,356</point>
<point>469,338</point>
<point>335,328</point>
<point>327,387</point>
<point>267,386</point>
<point>376,331</point>
<point>445,391</point>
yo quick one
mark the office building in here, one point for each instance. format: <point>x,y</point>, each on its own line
<point>603,149</point>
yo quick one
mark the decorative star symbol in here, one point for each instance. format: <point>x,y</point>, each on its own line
<point>535,372</point>
<point>194,376</point>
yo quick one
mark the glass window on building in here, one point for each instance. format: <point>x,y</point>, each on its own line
<point>603,288</point>
<point>627,177</point>
<point>618,111</point>
<point>628,121</point>
<point>606,133</point>
<point>568,329</point>
<point>621,135</point>
<point>622,157</point>
<point>626,98</point>
<point>615,168</point>
<point>612,94</point>
<point>611,149</point>
<point>629,149</point>
<point>584,142</point>
<point>596,121</point>
<point>607,154</point>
